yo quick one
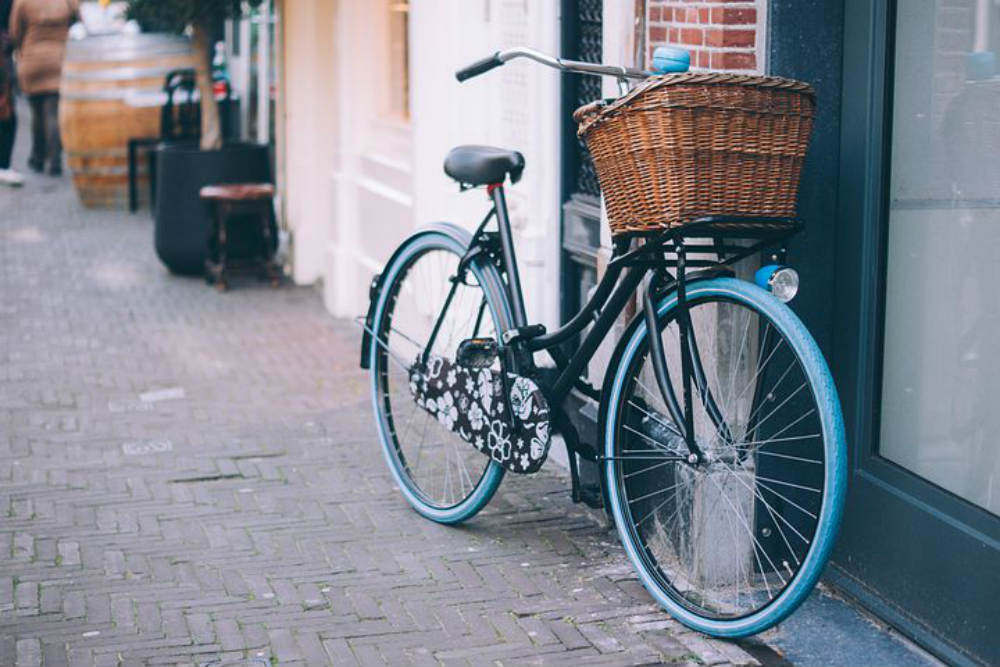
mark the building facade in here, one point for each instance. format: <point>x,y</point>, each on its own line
<point>900,195</point>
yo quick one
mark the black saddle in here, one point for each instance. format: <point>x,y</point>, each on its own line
<point>483,165</point>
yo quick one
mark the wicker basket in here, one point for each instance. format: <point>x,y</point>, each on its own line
<point>684,146</point>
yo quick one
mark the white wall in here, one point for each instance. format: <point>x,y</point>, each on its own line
<point>372,180</point>
<point>357,182</point>
<point>307,136</point>
<point>513,107</point>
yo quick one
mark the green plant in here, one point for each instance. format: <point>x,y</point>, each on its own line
<point>201,16</point>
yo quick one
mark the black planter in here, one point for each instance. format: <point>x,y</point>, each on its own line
<point>183,224</point>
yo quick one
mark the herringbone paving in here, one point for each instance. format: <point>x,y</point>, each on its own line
<point>193,478</point>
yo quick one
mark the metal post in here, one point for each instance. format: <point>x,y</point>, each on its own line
<point>264,74</point>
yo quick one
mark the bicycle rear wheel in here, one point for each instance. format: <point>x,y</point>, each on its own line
<point>442,477</point>
<point>732,544</point>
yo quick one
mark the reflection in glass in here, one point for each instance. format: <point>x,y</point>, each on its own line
<point>941,374</point>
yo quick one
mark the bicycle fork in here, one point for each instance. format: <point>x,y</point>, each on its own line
<point>692,370</point>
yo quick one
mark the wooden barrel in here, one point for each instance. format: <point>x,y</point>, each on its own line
<point>111,93</point>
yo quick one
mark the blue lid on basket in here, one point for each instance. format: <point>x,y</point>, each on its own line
<point>668,59</point>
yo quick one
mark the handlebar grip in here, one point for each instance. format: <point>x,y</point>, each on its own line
<point>479,67</point>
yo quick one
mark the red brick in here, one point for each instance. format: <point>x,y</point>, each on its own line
<point>657,33</point>
<point>704,59</point>
<point>692,36</point>
<point>691,16</point>
<point>666,13</point>
<point>675,34</point>
<point>703,15</point>
<point>727,37</point>
<point>654,14</point>
<point>734,16</point>
<point>734,60</point>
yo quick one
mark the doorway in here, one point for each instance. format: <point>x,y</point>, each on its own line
<point>917,358</point>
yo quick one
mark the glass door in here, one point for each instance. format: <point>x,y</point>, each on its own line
<point>918,282</point>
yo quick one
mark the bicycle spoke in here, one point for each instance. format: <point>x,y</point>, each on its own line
<point>790,484</point>
<point>656,443</point>
<point>789,457</point>
<point>655,466</point>
<point>653,493</point>
<point>806,415</point>
<point>786,499</point>
<point>667,425</point>
<point>747,444</point>
<point>653,511</point>
<point>773,389</point>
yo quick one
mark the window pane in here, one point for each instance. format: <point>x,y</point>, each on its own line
<point>941,376</point>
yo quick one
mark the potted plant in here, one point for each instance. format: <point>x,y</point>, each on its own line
<point>182,220</point>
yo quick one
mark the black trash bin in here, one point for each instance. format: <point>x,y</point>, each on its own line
<point>183,222</point>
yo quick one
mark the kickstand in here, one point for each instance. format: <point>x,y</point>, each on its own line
<point>569,439</point>
<point>591,495</point>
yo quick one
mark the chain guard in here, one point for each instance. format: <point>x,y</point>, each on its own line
<point>469,402</point>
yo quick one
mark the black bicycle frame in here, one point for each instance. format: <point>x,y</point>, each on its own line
<point>671,260</point>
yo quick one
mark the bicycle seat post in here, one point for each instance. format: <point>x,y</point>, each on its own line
<point>496,193</point>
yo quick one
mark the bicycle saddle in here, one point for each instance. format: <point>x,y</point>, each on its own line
<point>482,165</point>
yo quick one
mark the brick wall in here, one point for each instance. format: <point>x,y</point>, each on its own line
<point>719,34</point>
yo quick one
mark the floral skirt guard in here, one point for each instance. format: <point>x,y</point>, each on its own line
<point>469,402</point>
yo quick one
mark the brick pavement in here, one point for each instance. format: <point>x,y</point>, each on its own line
<point>193,478</point>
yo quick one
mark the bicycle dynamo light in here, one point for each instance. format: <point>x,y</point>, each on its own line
<point>781,281</point>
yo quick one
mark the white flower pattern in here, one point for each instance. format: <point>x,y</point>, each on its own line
<point>447,413</point>
<point>470,403</point>
<point>476,416</point>
<point>498,440</point>
<point>520,397</point>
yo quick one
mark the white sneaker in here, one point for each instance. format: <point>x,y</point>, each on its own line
<point>11,178</point>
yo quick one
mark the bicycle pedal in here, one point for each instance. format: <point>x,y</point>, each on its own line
<point>477,352</point>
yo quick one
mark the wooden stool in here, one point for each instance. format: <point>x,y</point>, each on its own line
<point>249,201</point>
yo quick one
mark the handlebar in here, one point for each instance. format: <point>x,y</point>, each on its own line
<point>479,67</point>
<point>501,57</point>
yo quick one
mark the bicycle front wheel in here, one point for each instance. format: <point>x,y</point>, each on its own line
<point>733,543</point>
<point>443,477</point>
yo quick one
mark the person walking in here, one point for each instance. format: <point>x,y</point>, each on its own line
<point>8,114</point>
<point>39,29</point>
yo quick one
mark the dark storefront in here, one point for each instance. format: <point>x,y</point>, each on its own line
<point>900,264</point>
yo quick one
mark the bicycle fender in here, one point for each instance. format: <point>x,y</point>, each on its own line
<point>459,234</point>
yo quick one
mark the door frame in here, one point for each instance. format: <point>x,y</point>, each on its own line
<point>907,546</point>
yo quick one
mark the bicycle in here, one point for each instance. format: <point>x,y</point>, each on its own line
<point>725,479</point>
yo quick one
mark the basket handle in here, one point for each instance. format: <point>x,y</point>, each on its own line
<point>592,107</point>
